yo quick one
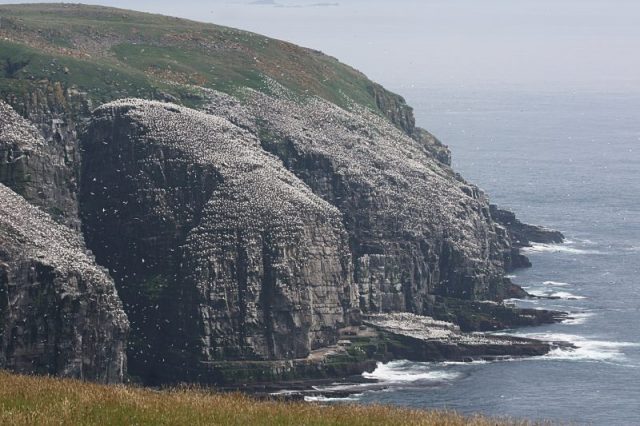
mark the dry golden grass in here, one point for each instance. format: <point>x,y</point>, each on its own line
<point>26,400</point>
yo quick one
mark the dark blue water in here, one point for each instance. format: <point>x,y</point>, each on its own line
<point>570,161</point>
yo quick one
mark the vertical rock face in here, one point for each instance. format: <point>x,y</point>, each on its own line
<point>59,312</point>
<point>416,228</point>
<point>41,171</point>
<point>395,108</point>
<point>218,251</point>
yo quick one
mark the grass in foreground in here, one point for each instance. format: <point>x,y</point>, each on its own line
<point>44,401</point>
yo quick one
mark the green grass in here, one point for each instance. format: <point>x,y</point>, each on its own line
<point>30,400</point>
<point>111,53</point>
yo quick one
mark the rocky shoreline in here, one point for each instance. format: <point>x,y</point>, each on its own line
<point>381,338</point>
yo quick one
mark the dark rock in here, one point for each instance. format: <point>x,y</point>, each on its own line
<point>522,234</point>
<point>423,339</point>
<point>396,110</point>
<point>489,316</point>
<point>406,347</point>
<point>59,312</point>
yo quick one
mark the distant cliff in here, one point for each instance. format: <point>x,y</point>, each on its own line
<point>277,199</point>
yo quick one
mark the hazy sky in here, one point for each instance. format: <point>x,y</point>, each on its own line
<point>461,43</point>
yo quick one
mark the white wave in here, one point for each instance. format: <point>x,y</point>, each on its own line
<point>526,303</point>
<point>565,295</point>
<point>556,248</point>
<point>474,362</point>
<point>510,276</point>
<point>322,398</point>
<point>586,349</point>
<point>578,318</point>
<point>405,371</point>
<point>555,283</point>
<point>582,241</point>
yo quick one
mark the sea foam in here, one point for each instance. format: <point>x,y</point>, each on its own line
<point>586,349</point>
<point>577,318</point>
<point>565,295</point>
<point>405,371</point>
<point>557,248</point>
<point>555,283</point>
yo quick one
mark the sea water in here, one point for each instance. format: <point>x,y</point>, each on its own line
<point>569,161</point>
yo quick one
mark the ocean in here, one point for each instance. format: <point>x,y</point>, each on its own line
<point>569,161</point>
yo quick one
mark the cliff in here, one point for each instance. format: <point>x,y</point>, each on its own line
<point>59,311</point>
<point>416,228</point>
<point>276,200</point>
<point>220,253</point>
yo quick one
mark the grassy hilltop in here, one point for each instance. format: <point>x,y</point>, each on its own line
<point>46,401</point>
<point>112,53</point>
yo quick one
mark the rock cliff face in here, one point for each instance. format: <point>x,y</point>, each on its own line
<point>416,228</point>
<point>40,170</point>
<point>39,156</point>
<point>396,110</point>
<point>59,312</point>
<point>218,251</point>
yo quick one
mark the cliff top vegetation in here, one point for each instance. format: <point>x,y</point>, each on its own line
<point>112,53</point>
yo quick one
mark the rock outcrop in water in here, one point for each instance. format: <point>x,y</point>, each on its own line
<point>59,311</point>
<point>218,252</point>
<point>523,234</point>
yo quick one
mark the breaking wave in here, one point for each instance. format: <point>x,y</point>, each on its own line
<point>586,349</point>
<point>406,372</point>
<point>565,295</point>
<point>578,318</point>
<point>555,283</point>
<point>556,248</point>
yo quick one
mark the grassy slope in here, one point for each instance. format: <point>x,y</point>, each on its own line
<point>39,400</point>
<point>112,53</point>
